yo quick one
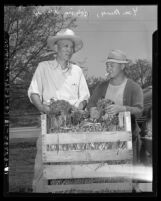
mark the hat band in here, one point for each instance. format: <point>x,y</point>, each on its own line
<point>116,60</point>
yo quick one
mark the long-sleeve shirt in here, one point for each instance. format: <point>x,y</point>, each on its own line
<point>132,99</point>
<point>132,96</point>
<point>51,82</point>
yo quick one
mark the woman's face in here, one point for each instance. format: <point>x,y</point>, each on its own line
<point>114,69</point>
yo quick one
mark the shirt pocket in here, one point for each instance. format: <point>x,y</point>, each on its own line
<point>74,88</point>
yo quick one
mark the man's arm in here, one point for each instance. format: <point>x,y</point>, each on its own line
<point>35,98</point>
<point>35,91</point>
<point>36,85</point>
<point>83,93</point>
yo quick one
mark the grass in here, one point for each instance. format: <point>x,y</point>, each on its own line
<point>23,121</point>
<point>22,154</point>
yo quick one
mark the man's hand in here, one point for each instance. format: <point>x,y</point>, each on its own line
<point>45,109</point>
<point>38,104</point>
<point>82,105</point>
<point>115,109</point>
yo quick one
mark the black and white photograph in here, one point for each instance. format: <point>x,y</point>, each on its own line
<point>78,89</point>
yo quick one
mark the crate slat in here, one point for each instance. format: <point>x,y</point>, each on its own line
<point>127,121</point>
<point>95,187</point>
<point>43,124</point>
<point>88,171</point>
<point>87,137</point>
<point>86,155</point>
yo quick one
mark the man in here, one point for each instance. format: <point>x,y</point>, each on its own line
<point>58,79</point>
<point>124,92</point>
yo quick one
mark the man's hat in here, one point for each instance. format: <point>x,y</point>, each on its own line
<point>65,34</point>
<point>117,56</point>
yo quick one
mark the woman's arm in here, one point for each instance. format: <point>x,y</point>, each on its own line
<point>137,98</point>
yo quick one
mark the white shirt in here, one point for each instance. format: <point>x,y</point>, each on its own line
<point>116,92</point>
<point>50,81</point>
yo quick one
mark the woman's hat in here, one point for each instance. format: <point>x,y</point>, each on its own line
<point>117,56</point>
<point>65,34</point>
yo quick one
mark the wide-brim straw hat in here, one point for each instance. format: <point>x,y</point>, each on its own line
<point>65,34</point>
<point>117,56</point>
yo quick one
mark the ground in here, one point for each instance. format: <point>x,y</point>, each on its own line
<point>22,154</point>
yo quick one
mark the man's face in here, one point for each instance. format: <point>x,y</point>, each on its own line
<point>114,69</point>
<point>65,49</point>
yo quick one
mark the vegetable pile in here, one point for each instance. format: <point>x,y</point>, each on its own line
<point>67,118</point>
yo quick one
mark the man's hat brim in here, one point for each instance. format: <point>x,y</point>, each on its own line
<point>78,43</point>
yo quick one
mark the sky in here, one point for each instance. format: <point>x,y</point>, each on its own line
<point>102,28</point>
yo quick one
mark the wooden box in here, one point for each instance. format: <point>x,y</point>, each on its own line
<point>91,170</point>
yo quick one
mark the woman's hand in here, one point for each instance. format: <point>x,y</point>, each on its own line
<point>115,109</point>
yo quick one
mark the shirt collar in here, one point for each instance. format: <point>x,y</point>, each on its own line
<point>55,65</point>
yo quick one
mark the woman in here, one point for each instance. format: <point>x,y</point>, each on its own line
<point>124,92</point>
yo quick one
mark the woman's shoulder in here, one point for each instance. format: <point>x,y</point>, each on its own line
<point>132,84</point>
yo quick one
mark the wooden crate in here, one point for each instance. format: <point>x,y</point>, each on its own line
<point>90,170</point>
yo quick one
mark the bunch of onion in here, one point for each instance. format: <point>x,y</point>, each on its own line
<point>61,110</point>
<point>109,121</point>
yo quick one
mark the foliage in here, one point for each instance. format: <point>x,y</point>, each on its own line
<point>62,114</point>
<point>60,107</point>
<point>102,104</point>
<point>92,82</point>
<point>140,72</point>
<point>106,119</point>
<point>64,117</point>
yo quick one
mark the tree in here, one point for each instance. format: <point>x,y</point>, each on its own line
<point>28,31</point>
<point>141,72</point>
<point>92,82</point>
